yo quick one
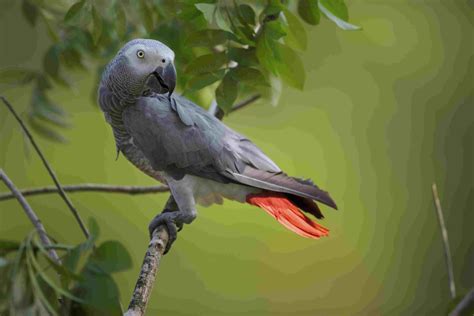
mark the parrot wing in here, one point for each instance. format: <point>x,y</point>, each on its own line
<point>179,137</point>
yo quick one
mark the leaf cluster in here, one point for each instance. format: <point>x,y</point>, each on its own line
<point>31,283</point>
<point>225,49</point>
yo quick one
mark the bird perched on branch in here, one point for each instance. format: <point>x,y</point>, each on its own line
<point>175,141</point>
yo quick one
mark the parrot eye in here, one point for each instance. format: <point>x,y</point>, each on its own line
<point>163,60</point>
<point>140,54</point>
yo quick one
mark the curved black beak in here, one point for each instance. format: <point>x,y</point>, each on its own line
<point>166,76</point>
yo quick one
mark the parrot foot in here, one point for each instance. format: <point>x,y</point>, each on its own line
<point>172,221</point>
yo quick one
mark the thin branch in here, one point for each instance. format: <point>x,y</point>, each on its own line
<point>220,114</point>
<point>147,276</point>
<point>465,302</point>
<point>89,187</point>
<point>444,234</point>
<point>31,215</point>
<point>47,166</point>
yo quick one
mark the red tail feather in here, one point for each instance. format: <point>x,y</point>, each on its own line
<point>278,206</point>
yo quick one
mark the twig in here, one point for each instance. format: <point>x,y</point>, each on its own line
<point>444,234</point>
<point>31,215</point>
<point>50,171</point>
<point>146,279</point>
<point>89,187</point>
<point>465,302</point>
<point>220,114</point>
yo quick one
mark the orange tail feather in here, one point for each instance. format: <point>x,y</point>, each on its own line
<point>285,212</point>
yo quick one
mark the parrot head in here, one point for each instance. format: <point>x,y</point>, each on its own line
<point>143,65</point>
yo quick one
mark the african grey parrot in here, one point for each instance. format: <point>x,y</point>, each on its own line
<point>175,141</point>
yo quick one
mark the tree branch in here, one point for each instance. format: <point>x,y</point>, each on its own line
<point>66,199</point>
<point>147,276</point>
<point>219,113</point>
<point>465,302</point>
<point>89,187</point>
<point>31,215</point>
<point>444,234</point>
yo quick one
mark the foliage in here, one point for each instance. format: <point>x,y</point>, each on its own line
<point>33,284</point>
<point>229,48</point>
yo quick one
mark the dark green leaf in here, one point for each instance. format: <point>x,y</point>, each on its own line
<point>7,246</point>
<point>74,10</point>
<point>97,25</point>
<point>291,68</point>
<point>247,13</point>
<point>205,79</point>
<point>309,11</point>
<point>248,76</point>
<point>51,61</point>
<point>336,11</point>
<point>16,76</point>
<point>30,12</point>
<point>244,57</point>
<point>206,63</point>
<point>296,37</point>
<point>226,92</point>
<point>111,256</point>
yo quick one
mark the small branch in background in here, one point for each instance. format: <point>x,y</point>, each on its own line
<point>31,215</point>
<point>146,279</point>
<point>463,304</point>
<point>66,199</point>
<point>89,187</point>
<point>220,114</point>
<point>444,234</point>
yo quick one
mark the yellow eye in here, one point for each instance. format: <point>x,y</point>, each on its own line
<point>140,54</point>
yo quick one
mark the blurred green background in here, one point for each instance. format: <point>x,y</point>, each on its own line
<point>385,112</point>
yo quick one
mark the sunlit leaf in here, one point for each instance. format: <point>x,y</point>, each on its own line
<point>336,11</point>
<point>222,20</point>
<point>309,11</point>
<point>296,37</point>
<point>30,12</point>
<point>208,10</point>
<point>97,25</point>
<point>206,63</point>
<point>267,48</point>
<point>74,10</point>
<point>226,92</point>
<point>16,76</point>
<point>205,79</point>
<point>291,69</point>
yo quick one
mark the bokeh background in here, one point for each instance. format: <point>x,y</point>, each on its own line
<point>385,112</point>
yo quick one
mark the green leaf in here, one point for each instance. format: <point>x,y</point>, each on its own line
<point>208,10</point>
<point>121,21</point>
<point>296,37</point>
<point>97,26</point>
<point>222,20</point>
<point>226,92</point>
<point>7,246</point>
<point>205,79</point>
<point>336,11</point>
<point>74,10</point>
<point>291,69</point>
<point>45,131</point>
<point>244,56</point>
<point>309,11</point>
<point>247,13</point>
<point>267,49</point>
<point>209,38</point>
<point>51,61</point>
<point>248,76</point>
<point>16,76</point>
<point>206,63</point>
<point>30,12</point>
<point>111,256</point>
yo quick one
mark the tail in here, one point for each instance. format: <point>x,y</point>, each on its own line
<point>288,214</point>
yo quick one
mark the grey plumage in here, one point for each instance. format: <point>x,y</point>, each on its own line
<point>175,141</point>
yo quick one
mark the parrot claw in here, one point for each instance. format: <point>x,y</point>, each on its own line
<point>167,218</point>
